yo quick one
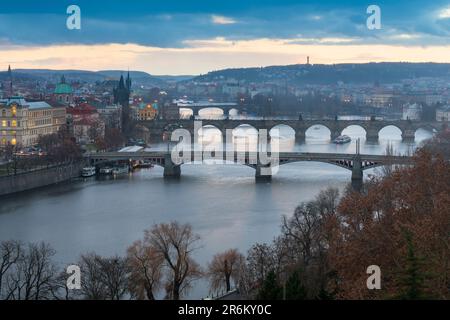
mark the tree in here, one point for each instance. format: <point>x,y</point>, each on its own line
<point>103,278</point>
<point>96,130</point>
<point>305,237</point>
<point>260,261</point>
<point>10,253</point>
<point>270,289</point>
<point>32,275</point>
<point>175,243</point>
<point>295,290</point>
<point>146,270</point>
<point>412,279</point>
<point>369,228</point>
<point>113,138</point>
<point>223,268</point>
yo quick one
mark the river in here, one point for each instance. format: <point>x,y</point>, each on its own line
<point>222,202</point>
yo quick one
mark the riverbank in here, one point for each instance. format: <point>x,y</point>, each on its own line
<point>11,184</point>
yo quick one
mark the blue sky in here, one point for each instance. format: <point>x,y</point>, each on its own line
<point>154,29</point>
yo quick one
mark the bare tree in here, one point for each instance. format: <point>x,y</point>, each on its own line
<point>114,275</point>
<point>223,268</point>
<point>260,261</point>
<point>10,252</point>
<point>175,243</point>
<point>103,278</point>
<point>145,265</point>
<point>33,274</point>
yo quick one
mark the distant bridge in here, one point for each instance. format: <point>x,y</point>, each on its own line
<point>158,128</point>
<point>356,163</point>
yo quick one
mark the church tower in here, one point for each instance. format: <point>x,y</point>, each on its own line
<point>10,84</point>
<point>128,82</point>
<point>122,96</point>
<point>123,91</point>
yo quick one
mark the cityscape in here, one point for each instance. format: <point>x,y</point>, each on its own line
<point>222,154</point>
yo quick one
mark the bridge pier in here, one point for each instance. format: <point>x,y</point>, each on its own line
<point>264,176</point>
<point>300,136</point>
<point>335,134</point>
<point>171,170</point>
<point>357,171</point>
<point>408,136</point>
<point>372,135</point>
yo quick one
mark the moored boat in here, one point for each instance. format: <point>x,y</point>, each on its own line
<point>342,139</point>
<point>106,170</point>
<point>88,172</point>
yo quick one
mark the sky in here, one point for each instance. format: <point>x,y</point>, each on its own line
<point>197,36</point>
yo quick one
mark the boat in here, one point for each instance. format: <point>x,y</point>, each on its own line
<point>146,164</point>
<point>120,170</point>
<point>88,172</point>
<point>342,139</point>
<point>106,170</point>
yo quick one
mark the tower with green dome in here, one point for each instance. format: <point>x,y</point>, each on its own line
<point>64,92</point>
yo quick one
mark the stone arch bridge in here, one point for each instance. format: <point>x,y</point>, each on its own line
<point>158,128</point>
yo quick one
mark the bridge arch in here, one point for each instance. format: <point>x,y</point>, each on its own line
<point>209,133</point>
<point>284,131</point>
<point>355,131</point>
<point>233,112</point>
<point>185,112</point>
<point>391,130</point>
<point>318,131</point>
<point>211,113</point>
<point>245,137</point>
<point>425,132</point>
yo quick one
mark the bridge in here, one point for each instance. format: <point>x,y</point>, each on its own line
<point>157,129</point>
<point>225,107</point>
<point>356,163</point>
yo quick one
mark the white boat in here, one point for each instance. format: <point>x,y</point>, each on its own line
<point>120,170</point>
<point>342,139</point>
<point>106,170</point>
<point>88,172</point>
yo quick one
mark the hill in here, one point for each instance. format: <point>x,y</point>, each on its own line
<point>385,72</point>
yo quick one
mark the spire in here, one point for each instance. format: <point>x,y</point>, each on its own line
<point>10,81</point>
<point>63,79</point>
<point>121,82</point>
<point>128,81</point>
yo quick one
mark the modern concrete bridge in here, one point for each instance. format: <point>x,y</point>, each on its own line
<point>159,128</point>
<point>356,163</point>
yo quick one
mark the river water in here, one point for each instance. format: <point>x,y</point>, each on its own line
<point>222,202</point>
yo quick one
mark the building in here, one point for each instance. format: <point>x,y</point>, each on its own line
<point>111,115</point>
<point>145,111</point>
<point>443,113</point>
<point>412,111</point>
<point>63,92</point>
<point>85,123</point>
<point>23,122</point>
<point>380,100</point>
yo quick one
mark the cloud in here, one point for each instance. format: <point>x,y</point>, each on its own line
<point>222,20</point>
<point>206,55</point>
<point>444,13</point>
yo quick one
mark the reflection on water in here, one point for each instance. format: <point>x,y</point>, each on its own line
<point>222,202</point>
